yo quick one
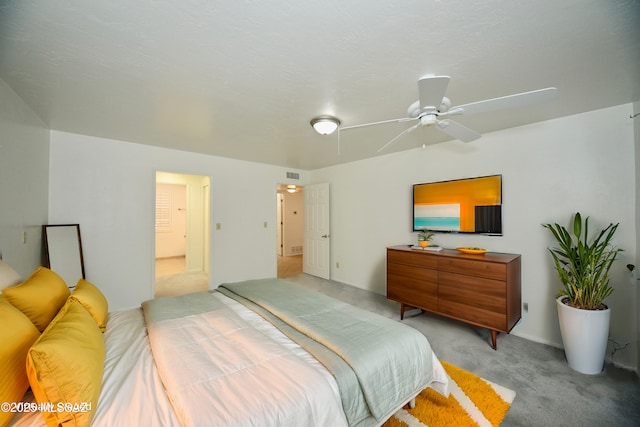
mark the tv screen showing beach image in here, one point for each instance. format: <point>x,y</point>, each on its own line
<point>437,217</point>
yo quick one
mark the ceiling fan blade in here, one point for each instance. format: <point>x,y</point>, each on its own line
<point>404,119</point>
<point>404,132</point>
<point>509,101</point>
<point>457,131</point>
<point>431,90</point>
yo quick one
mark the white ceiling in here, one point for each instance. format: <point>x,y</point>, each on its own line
<point>242,79</point>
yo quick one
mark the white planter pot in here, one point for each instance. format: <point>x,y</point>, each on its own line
<point>584,334</point>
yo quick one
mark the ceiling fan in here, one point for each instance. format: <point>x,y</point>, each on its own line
<point>434,109</point>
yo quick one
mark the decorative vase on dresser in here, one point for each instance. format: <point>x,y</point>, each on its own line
<point>482,290</point>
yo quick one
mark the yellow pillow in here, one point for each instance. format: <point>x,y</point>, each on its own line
<point>65,366</point>
<point>17,334</point>
<point>87,294</point>
<point>39,297</point>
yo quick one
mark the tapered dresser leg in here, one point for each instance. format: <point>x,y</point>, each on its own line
<point>494,336</point>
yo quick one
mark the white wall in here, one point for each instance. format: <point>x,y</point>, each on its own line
<point>550,170</point>
<point>108,186</point>
<point>24,182</point>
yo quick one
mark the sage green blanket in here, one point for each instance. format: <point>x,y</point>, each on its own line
<point>379,363</point>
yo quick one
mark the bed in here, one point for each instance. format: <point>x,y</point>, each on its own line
<point>255,353</point>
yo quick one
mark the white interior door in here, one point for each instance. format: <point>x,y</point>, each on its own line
<point>279,240</point>
<point>316,230</point>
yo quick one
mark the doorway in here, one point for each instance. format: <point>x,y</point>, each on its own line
<point>182,239</point>
<point>290,229</point>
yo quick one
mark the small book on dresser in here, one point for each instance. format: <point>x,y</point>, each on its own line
<point>428,248</point>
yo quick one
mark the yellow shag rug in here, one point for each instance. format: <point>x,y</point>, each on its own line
<point>472,401</point>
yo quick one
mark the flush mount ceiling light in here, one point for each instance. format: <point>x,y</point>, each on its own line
<point>325,125</point>
<point>291,188</point>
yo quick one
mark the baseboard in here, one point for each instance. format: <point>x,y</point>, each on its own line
<point>538,340</point>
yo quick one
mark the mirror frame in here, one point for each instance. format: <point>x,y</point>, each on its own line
<point>47,249</point>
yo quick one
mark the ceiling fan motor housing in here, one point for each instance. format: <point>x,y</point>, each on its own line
<point>414,110</point>
<point>428,119</point>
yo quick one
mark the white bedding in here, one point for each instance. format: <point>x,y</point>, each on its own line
<point>132,393</point>
<point>236,369</point>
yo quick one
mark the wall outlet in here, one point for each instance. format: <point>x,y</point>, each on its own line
<point>525,307</point>
<point>218,226</point>
<point>337,265</point>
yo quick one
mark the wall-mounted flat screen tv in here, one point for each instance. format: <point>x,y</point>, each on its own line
<point>469,205</point>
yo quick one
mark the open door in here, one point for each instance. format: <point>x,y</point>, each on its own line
<point>317,247</point>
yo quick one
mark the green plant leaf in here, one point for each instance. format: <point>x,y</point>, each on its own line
<point>577,225</point>
<point>584,265</point>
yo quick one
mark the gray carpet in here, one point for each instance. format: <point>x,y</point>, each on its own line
<point>548,392</point>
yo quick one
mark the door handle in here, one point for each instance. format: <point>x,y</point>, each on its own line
<point>324,236</point>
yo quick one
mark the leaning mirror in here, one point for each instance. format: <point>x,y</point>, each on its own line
<point>63,251</point>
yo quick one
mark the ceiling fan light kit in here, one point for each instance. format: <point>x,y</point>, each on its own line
<point>325,125</point>
<point>433,108</point>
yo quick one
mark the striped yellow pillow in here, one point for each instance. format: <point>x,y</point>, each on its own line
<point>39,297</point>
<point>93,301</point>
<point>65,366</point>
<point>17,334</point>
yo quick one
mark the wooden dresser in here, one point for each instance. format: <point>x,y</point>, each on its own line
<point>482,290</point>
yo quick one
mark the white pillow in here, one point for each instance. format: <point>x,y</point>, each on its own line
<point>8,276</point>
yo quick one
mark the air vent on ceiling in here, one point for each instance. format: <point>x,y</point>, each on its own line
<point>293,175</point>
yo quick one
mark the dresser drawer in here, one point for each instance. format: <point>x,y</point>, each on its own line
<point>486,294</point>
<point>413,292</point>
<point>470,267</point>
<point>416,259</point>
<point>412,285</point>
<point>423,274</point>
<point>475,315</point>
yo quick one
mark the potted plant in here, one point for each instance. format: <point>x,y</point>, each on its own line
<point>424,237</point>
<point>583,264</point>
